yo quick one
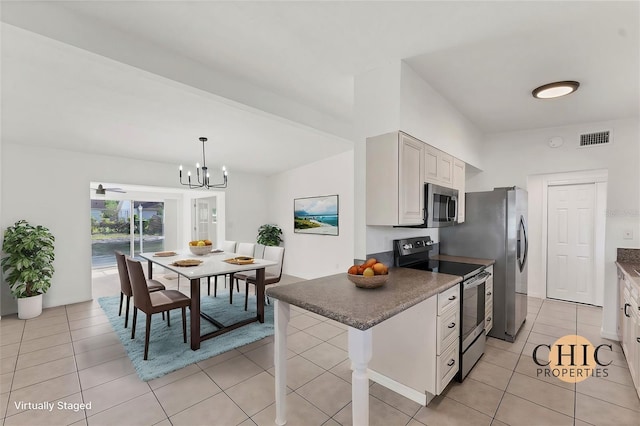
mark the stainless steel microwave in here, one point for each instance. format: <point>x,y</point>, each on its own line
<point>440,206</point>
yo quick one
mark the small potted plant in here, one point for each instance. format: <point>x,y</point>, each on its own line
<point>269,235</point>
<point>28,265</point>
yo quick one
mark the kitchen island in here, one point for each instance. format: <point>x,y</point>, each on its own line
<point>337,298</point>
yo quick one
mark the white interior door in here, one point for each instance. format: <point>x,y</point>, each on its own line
<point>570,243</point>
<point>205,219</point>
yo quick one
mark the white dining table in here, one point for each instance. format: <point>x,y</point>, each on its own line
<point>213,264</point>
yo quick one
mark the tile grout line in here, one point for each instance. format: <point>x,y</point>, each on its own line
<point>13,375</point>
<point>504,392</point>
<point>75,363</point>
<point>153,391</point>
<point>548,408</point>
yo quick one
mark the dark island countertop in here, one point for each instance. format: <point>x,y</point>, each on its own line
<point>338,298</point>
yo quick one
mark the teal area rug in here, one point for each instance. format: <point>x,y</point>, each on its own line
<point>167,351</point>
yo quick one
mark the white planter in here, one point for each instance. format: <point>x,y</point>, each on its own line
<point>29,307</point>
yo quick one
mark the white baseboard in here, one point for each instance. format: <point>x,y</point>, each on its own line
<point>609,335</point>
<point>412,394</point>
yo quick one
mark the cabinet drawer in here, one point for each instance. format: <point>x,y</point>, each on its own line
<point>448,298</point>
<point>488,291</point>
<point>448,328</point>
<point>488,309</point>
<point>447,367</point>
<point>488,323</point>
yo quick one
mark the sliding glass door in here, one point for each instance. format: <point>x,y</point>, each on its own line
<point>128,226</point>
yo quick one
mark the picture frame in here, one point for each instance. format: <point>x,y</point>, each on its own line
<point>317,215</point>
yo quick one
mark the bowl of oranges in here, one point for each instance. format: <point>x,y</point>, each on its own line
<point>371,274</point>
<point>200,247</point>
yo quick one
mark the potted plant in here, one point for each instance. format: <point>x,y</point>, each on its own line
<point>269,235</point>
<point>28,265</point>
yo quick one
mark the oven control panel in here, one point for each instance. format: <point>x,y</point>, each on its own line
<point>410,246</point>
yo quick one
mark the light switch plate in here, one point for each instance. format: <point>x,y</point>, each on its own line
<point>628,234</point>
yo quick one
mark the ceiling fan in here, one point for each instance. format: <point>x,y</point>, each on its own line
<point>100,190</point>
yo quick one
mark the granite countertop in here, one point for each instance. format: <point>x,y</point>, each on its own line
<point>628,259</point>
<point>471,260</point>
<point>628,269</point>
<point>338,298</point>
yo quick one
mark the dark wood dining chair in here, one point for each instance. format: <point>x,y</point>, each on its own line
<point>272,274</point>
<point>125,285</point>
<point>153,302</point>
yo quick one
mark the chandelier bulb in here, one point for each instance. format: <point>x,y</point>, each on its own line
<point>197,165</point>
<point>180,167</point>
<point>189,173</point>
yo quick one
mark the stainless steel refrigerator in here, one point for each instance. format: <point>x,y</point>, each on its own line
<point>496,228</point>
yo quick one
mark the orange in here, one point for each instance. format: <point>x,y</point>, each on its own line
<point>353,270</point>
<point>379,268</point>
<point>370,262</point>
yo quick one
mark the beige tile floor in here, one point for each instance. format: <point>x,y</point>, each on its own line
<point>70,354</point>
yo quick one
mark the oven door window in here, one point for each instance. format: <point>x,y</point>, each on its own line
<point>469,311</point>
<point>473,310</point>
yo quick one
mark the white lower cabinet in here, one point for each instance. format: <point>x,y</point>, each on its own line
<point>629,324</point>
<point>488,301</point>
<point>415,353</point>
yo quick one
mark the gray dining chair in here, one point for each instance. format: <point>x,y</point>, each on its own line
<point>272,273</point>
<point>227,247</point>
<point>243,249</point>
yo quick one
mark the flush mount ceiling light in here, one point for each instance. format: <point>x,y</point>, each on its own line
<point>555,90</point>
<point>203,181</point>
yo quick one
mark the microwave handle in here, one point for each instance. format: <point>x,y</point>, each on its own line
<point>453,200</point>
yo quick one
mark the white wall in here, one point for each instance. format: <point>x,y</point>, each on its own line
<point>49,187</point>
<point>426,115</point>
<point>247,204</point>
<point>513,158</point>
<point>391,98</point>
<point>307,255</point>
<point>376,111</point>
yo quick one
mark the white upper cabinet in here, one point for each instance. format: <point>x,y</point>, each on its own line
<point>411,187</point>
<point>431,164</point>
<point>395,186</point>
<point>438,167</point>
<point>459,168</point>
<point>398,165</point>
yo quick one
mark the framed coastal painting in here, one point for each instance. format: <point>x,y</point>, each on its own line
<point>316,215</point>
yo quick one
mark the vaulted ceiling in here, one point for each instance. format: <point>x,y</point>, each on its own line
<point>271,83</point>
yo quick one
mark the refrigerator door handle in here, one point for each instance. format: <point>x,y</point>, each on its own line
<point>522,237</point>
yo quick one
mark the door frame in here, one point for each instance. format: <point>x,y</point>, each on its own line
<point>599,178</point>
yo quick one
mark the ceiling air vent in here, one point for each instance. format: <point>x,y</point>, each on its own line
<point>597,138</point>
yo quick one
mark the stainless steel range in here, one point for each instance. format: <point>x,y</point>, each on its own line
<point>414,253</point>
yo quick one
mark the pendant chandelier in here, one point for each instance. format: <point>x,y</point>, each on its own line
<point>202,174</point>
